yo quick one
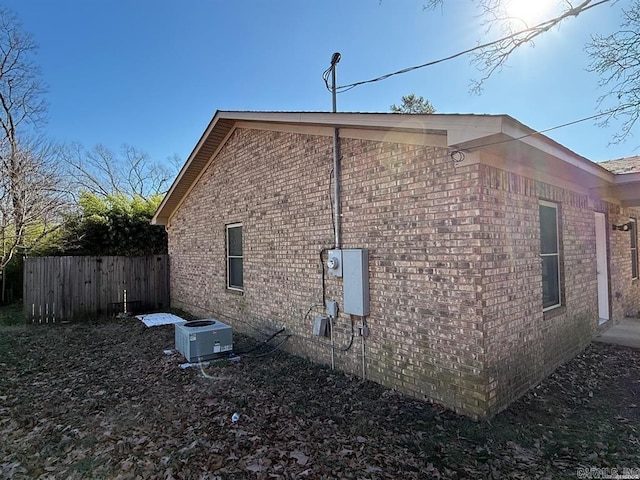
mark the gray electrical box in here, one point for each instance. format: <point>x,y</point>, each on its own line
<point>334,263</point>
<point>355,286</point>
<point>320,326</point>
<point>331,308</point>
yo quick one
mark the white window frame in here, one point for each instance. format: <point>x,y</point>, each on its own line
<point>229,257</point>
<point>556,254</point>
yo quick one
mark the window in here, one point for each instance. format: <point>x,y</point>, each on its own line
<point>550,255</point>
<point>234,257</point>
<point>634,248</point>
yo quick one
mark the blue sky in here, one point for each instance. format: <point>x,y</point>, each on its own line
<point>152,73</point>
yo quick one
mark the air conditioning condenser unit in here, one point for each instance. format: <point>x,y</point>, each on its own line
<point>200,340</point>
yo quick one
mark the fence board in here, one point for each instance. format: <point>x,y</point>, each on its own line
<point>73,288</point>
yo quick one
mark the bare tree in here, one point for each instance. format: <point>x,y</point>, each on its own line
<point>616,58</point>
<point>21,87</point>
<point>30,185</point>
<point>37,186</point>
<point>513,32</point>
<point>131,172</point>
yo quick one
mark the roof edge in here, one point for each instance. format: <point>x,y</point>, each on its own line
<point>462,130</point>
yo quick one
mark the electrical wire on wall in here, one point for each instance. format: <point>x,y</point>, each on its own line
<point>350,344</point>
<point>318,342</point>
<point>306,315</point>
<point>261,344</point>
<point>324,288</point>
<point>270,352</point>
<point>305,318</point>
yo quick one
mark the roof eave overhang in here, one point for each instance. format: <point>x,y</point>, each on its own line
<point>500,135</point>
<point>460,127</point>
<point>517,148</point>
<point>624,190</point>
<point>213,136</point>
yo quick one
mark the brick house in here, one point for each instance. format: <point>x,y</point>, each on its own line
<point>491,250</point>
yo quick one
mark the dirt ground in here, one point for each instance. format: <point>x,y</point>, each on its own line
<point>102,400</point>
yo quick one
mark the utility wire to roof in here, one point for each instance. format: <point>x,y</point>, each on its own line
<point>345,88</point>
<point>556,127</point>
<point>541,27</point>
<point>458,155</point>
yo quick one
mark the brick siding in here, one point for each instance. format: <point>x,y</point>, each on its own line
<point>523,344</point>
<point>625,292</point>
<point>455,288</point>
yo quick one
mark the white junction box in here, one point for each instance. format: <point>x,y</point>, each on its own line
<point>206,339</point>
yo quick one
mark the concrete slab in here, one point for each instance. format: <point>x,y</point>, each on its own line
<point>626,333</point>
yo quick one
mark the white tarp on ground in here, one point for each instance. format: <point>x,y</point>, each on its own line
<point>156,319</point>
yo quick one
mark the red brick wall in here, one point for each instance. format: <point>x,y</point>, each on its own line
<point>455,287</point>
<point>511,286</point>
<point>625,291</point>
<point>523,345</point>
<point>276,185</point>
<point>411,206</point>
<point>416,212</point>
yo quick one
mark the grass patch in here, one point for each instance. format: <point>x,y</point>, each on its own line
<point>11,315</point>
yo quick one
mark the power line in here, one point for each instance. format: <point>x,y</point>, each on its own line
<point>536,29</point>
<point>344,88</point>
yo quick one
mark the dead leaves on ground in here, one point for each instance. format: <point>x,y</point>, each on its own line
<point>103,401</point>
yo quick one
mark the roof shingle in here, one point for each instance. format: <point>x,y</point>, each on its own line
<point>622,165</point>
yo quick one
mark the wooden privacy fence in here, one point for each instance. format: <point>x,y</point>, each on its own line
<point>74,288</point>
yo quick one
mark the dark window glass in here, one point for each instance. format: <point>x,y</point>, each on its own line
<point>235,241</point>
<point>550,256</point>
<point>548,229</point>
<point>235,272</point>
<point>550,282</point>
<point>235,277</point>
